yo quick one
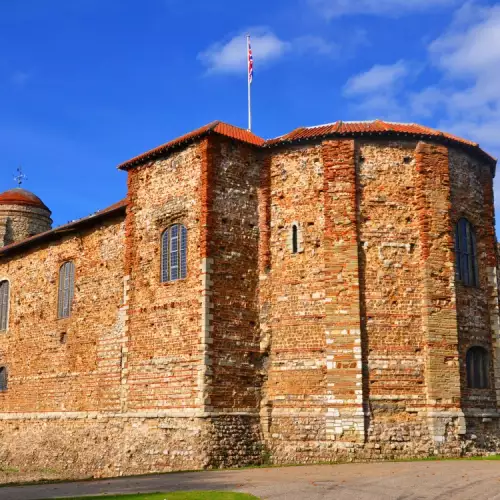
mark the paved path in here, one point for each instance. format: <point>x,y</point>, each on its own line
<point>450,480</point>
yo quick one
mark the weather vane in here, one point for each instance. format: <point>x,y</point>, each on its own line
<point>20,177</point>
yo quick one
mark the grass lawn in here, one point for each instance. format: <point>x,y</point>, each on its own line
<point>179,495</point>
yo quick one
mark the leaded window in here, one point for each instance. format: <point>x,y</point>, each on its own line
<point>477,364</point>
<point>465,250</point>
<point>4,305</point>
<point>66,289</point>
<point>174,253</point>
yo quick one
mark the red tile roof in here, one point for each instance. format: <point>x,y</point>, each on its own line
<point>371,128</point>
<point>19,196</point>
<point>64,229</point>
<point>216,127</point>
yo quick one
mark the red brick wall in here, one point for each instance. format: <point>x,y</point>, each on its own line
<point>391,285</point>
<point>233,242</point>
<point>164,318</point>
<point>345,417</point>
<point>83,373</point>
<point>292,295</point>
<point>472,198</point>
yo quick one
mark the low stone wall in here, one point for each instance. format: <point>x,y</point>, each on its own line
<point>303,439</point>
<point>81,445</point>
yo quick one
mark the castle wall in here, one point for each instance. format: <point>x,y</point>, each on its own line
<point>292,301</point>
<point>190,341</point>
<point>477,307</point>
<point>348,345</point>
<point>70,364</point>
<point>233,250</point>
<point>163,319</point>
<point>135,394</point>
<point>392,292</point>
<point>381,269</point>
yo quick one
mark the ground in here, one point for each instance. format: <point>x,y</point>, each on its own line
<point>457,479</point>
<point>181,495</point>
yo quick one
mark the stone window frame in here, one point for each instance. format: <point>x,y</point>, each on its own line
<point>66,294</point>
<point>466,259</point>
<point>7,309</point>
<point>295,230</point>
<point>478,376</point>
<point>165,253</point>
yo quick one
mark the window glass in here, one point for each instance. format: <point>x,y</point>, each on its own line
<point>477,364</point>
<point>4,305</point>
<point>465,253</point>
<point>174,253</point>
<point>66,289</point>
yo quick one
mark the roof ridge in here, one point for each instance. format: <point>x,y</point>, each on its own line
<point>220,122</point>
<point>217,126</point>
<point>340,127</point>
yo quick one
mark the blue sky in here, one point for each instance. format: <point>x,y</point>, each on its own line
<point>87,84</point>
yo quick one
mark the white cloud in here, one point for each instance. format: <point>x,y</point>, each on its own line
<point>468,95</point>
<point>377,79</point>
<point>230,56</point>
<point>376,91</point>
<point>464,100</point>
<point>393,8</point>
<point>465,97</point>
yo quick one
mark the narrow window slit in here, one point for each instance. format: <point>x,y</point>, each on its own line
<point>3,378</point>
<point>295,239</point>
<point>66,290</point>
<point>4,305</point>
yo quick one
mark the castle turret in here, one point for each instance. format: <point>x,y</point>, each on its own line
<point>22,214</point>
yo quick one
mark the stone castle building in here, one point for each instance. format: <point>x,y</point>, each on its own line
<point>327,295</point>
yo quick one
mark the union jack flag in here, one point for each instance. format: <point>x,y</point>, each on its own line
<point>250,62</point>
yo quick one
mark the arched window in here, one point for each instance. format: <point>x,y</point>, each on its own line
<point>465,250</point>
<point>477,364</point>
<point>295,238</point>
<point>174,253</point>
<point>66,289</point>
<point>4,305</point>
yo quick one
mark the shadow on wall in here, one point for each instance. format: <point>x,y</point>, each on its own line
<point>9,232</point>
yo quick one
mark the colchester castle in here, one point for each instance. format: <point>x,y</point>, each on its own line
<point>328,295</point>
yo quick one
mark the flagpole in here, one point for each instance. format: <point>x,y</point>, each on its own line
<point>249,86</point>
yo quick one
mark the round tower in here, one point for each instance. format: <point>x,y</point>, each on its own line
<point>22,215</point>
